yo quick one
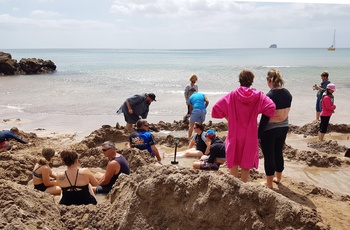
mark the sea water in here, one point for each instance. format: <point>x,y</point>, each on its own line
<point>90,84</point>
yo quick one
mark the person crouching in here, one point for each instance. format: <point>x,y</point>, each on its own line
<point>214,155</point>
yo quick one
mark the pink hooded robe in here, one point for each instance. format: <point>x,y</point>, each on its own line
<point>241,107</point>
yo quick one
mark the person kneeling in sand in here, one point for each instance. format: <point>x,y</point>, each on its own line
<point>117,164</point>
<point>43,175</point>
<point>6,135</point>
<point>198,140</point>
<point>75,182</point>
<point>143,139</point>
<point>215,154</point>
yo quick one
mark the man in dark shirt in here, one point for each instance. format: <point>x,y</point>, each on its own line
<point>117,165</point>
<point>6,135</point>
<point>135,108</point>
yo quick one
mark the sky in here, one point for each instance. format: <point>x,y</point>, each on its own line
<point>173,24</point>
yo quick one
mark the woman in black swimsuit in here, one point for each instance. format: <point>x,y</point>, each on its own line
<point>43,177</point>
<point>75,182</point>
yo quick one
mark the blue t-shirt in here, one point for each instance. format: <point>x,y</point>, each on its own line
<point>142,140</point>
<point>197,100</point>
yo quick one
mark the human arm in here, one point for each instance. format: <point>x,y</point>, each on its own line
<point>92,179</point>
<point>206,101</point>
<point>53,175</point>
<point>328,104</point>
<point>46,172</point>
<point>186,93</point>
<point>264,120</point>
<point>113,167</point>
<point>10,135</point>
<point>208,143</point>
<point>130,110</point>
<point>191,144</point>
<point>156,152</point>
<point>145,113</point>
<point>220,108</point>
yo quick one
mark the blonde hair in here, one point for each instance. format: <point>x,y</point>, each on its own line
<point>47,154</point>
<point>275,77</point>
<point>193,78</point>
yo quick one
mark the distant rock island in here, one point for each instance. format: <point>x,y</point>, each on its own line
<point>273,46</point>
<point>9,66</point>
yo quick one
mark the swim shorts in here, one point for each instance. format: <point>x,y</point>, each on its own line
<point>209,166</point>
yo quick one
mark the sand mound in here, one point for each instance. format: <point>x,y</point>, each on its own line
<point>170,198</point>
<point>156,196</point>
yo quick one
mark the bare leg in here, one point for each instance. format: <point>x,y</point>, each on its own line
<point>244,174</point>
<point>278,177</point>
<point>234,171</point>
<point>269,180</point>
<point>320,136</point>
<point>54,190</point>
<point>318,116</point>
<point>128,127</point>
<point>196,165</point>
<point>190,129</point>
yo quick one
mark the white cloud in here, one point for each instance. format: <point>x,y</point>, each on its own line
<point>174,23</point>
<point>44,14</point>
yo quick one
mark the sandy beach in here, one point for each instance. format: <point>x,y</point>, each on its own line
<point>314,193</point>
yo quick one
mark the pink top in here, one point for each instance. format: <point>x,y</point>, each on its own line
<point>327,106</point>
<point>242,107</point>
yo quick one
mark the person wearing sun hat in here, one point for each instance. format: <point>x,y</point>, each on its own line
<point>214,155</point>
<point>328,108</point>
<point>136,107</point>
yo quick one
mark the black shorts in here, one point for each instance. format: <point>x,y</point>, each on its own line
<point>209,166</point>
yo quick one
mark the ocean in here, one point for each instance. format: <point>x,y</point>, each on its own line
<point>90,84</point>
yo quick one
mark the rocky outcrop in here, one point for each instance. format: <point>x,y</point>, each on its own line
<point>9,66</point>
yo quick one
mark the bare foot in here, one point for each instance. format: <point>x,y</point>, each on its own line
<point>276,181</point>
<point>264,184</point>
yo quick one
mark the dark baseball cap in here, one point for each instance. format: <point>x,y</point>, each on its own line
<point>152,96</point>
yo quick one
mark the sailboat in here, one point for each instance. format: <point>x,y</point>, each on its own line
<point>332,47</point>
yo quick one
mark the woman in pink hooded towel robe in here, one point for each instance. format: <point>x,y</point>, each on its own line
<point>241,108</point>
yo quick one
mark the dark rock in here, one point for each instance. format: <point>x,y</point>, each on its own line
<point>347,153</point>
<point>9,66</point>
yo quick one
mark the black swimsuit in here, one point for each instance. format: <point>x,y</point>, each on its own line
<point>76,194</point>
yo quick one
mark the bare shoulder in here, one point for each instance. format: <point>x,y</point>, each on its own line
<point>84,171</point>
<point>61,176</point>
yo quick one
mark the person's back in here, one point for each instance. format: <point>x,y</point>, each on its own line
<point>197,100</point>
<point>75,189</point>
<point>217,150</point>
<point>75,182</point>
<point>241,108</point>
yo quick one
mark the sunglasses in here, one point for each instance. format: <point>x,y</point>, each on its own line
<point>104,150</point>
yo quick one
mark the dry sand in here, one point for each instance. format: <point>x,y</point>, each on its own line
<point>166,196</point>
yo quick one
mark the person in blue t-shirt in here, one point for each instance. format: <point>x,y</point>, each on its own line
<point>198,106</point>
<point>6,135</point>
<point>143,139</point>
